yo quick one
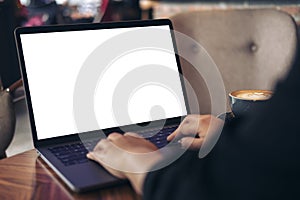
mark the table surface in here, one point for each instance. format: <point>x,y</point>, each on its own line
<point>27,176</point>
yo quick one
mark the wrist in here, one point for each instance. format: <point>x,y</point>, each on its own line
<point>137,181</point>
<point>139,172</point>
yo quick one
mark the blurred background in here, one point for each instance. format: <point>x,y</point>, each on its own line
<point>15,13</point>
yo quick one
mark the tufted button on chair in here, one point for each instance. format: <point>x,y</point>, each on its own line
<point>251,48</point>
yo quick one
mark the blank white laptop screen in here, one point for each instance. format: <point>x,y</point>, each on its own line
<point>53,62</point>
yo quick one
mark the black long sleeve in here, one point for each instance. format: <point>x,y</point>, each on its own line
<point>256,157</point>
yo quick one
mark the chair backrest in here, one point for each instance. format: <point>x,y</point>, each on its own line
<point>7,121</point>
<point>252,48</point>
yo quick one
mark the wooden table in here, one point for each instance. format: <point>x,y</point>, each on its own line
<point>26,176</point>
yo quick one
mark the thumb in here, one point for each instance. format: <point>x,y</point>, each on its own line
<point>191,143</point>
<point>91,156</point>
<point>173,135</point>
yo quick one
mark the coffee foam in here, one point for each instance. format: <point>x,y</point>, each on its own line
<point>254,95</point>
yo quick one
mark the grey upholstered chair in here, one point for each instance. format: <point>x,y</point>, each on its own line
<point>8,97</point>
<point>7,121</point>
<point>252,48</point>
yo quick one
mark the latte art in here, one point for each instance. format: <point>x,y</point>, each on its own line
<point>252,95</point>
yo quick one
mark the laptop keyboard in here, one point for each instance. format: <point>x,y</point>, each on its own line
<point>70,154</point>
<point>158,137</point>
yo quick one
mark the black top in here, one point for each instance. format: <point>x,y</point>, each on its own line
<point>256,157</point>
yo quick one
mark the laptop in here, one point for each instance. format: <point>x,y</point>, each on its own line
<point>83,82</point>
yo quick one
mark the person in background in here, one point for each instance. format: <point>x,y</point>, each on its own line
<point>12,15</point>
<point>256,156</point>
<point>122,10</point>
<point>42,12</point>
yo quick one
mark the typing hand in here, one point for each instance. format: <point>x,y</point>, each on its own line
<point>126,156</point>
<point>194,128</point>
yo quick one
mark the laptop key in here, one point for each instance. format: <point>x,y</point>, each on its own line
<point>71,154</point>
<point>159,137</point>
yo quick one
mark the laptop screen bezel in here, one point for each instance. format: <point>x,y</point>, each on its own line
<point>80,27</point>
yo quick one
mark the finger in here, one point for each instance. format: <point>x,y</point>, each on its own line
<point>102,144</point>
<point>186,128</point>
<point>114,136</point>
<point>94,157</point>
<point>173,135</point>
<point>134,139</point>
<point>90,156</point>
<point>133,135</point>
<point>97,157</point>
<point>191,143</point>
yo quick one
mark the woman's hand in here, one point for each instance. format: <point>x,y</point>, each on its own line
<point>130,157</point>
<point>126,156</point>
<point>194,128</point>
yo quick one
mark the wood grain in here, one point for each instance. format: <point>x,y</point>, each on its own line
<point>26,176</point>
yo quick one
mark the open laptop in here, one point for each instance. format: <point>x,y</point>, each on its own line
<point>83,82</point>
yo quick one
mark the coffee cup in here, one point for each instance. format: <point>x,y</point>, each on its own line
<point>243,101</point>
